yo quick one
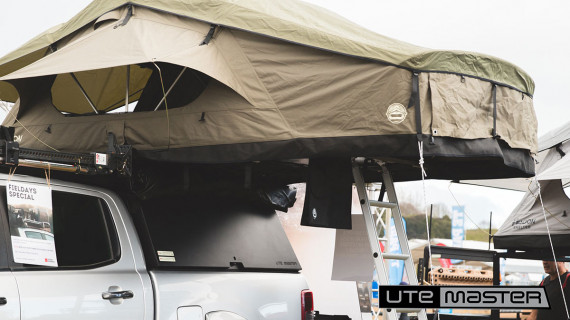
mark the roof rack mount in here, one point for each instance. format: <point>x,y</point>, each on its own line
<point>117,159</point>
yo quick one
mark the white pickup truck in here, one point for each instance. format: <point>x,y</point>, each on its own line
<point>177,257</point>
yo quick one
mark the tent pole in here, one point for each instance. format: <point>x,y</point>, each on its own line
<point>430,216</point>
<point>84,93</point>
<point>128,84</point>
<point>170,89</point>
<point>490,224</point>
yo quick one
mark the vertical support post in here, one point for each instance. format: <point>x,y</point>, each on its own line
<point>430,217</point>
<point>490,225</point>
<point>495,314</point>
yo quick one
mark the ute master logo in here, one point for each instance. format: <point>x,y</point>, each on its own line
<point>458,297</point>
<point>396,113</point>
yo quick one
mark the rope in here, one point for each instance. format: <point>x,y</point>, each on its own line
<point>550,213</point>
<point>33,135</point>
<point>421,162</point>
<point>48,175</point>
<point>464,211</point>
<point>421,149</point>
<point>552,248</point>
<point>165,102</point>
<point>11,173</point>
<point>424,175</point>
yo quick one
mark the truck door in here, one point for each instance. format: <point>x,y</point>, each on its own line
<point>9,298</point>
<point>97,275</point>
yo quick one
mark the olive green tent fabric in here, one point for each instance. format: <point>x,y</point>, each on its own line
<point>244,96</point>
<point>281,90</point>
<point>289,20</point>
<point>303,91</point>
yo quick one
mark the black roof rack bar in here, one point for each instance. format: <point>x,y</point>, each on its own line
<point>117,159</point>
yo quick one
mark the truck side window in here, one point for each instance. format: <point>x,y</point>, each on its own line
<point>83,231</point>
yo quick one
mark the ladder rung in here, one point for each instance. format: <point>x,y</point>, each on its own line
<point>382,204</point>
<point>382,239</point>
<point>395,256</point>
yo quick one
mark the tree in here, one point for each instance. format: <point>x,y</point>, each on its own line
<point>416,227</point>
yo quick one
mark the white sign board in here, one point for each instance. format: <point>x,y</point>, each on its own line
<point>31,222</point>
<point>352,254</point>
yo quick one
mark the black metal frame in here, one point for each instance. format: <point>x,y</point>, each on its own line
<point>118,157</point>
<point>465,254</point>
<point>483,255</point>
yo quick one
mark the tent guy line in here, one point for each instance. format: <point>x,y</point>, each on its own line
<point>552,248</point>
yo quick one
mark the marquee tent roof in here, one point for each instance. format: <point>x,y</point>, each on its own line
<point>544,208</point>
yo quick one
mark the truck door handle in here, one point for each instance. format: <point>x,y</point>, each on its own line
<point>127,294</point>
<point>3,301</point>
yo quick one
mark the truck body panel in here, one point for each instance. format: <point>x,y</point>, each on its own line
<point>75,291</point>
<point>251,295</point>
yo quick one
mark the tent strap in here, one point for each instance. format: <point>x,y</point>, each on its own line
<point>560,151</point>
<point>494,132</point>
<point>127,17</point>
<point>210,35</point>
<point>415,102</point>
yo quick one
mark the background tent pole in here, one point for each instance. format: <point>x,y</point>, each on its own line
<point>490,224</point>
<point>170,89</point>
<point>84,93</point>
<point>430,216</point>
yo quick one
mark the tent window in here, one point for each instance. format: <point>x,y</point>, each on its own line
<point>104,90</point>
<point>190,85</point>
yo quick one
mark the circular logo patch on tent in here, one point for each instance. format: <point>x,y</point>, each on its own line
<point>396,113</point>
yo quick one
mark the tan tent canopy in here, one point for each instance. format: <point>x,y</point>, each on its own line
<point>290,20</point>
<point>273,80</point>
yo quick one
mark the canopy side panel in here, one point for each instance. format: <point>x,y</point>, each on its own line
<point>463,108</point>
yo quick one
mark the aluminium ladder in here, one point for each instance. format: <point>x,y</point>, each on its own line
<point>371,229</point>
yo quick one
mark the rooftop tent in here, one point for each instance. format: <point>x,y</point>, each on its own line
<point>273,80</point>
<point>526,229</point>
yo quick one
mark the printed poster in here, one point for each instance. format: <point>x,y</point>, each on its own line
<point>31,224</point>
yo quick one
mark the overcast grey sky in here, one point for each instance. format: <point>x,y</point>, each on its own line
<point>530,34</point>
